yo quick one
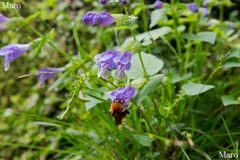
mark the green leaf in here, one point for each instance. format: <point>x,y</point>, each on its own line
<point>229,100</point>
<point>25,21</point>
<point>139,82</point>
<point>193,89</point>
<point>152,65</point>
<point>229,65</point>
<point>157,15</point>
<point>209,37</point>
<point>82,52</point>
<point>177,78</point>
<point>39,43</point>
<point>147,37</point>
<point>32,17</point>
<point>150,86</point>
<point>91,102</point>
<point>144,140</point>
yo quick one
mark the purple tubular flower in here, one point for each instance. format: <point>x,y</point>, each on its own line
<point>3,18</point>
<point>122,63</point>
<point>103,1</point>
<point>104,18</point>
<point>124,2</point>
<point>231,25</point>
<point>89,18</point>
<point>158,4</point>
<point>205,12</point>
<point>105,62</point>
<point>11,52</point>
<point>47,73</point>
<point>193,7</point>
<point>124,94</point>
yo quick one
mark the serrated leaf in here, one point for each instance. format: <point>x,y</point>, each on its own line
<point>152,65</point>
<point>147,37</point>
<point>157,15</point>
<point>148,87</point>
<point>193,89</point>
<point>229,100</point>
<point>209,37</point>
<point>143,139</point>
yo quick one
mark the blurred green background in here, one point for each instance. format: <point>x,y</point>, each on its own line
<point>167,124</point>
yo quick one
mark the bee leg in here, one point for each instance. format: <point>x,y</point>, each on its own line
<point>110,113</point>
<point>125,111</point>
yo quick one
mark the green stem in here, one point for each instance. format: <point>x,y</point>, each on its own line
<point>221,12</point>
<point>198,49</point>
<point>169,45</point>
<point>145,117</point>
<point>49,42</point>
<point>229,134</point>
<point>143,67</point>
<point>140,56</point>
<point>178,36</point>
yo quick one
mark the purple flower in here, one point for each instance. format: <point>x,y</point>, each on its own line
<point>193,7</point>
<point>124,94</point>
<point>3,18</point>
<point>47,73</point>
<point>104,18</point>
<point>103,1</point>
<point>205,12</point>
<point>205,2</point>
<point>124,2</point>
<point>231,25</point>
<point>11,52</point>
<point>158,4</point>
<point>105,62</point>
<point>122,63</point>
<point>89,18</point>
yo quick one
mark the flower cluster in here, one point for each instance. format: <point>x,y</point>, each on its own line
<point>194,8</point>
<point>103,18</point>
<point>124,94</point>
<point>13,51</point>
<point>112,59</point>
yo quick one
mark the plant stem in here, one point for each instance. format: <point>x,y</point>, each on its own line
<point>178,36</point>
<point>140,56</point>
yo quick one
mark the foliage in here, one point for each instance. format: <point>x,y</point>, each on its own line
<point>185,67</point>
